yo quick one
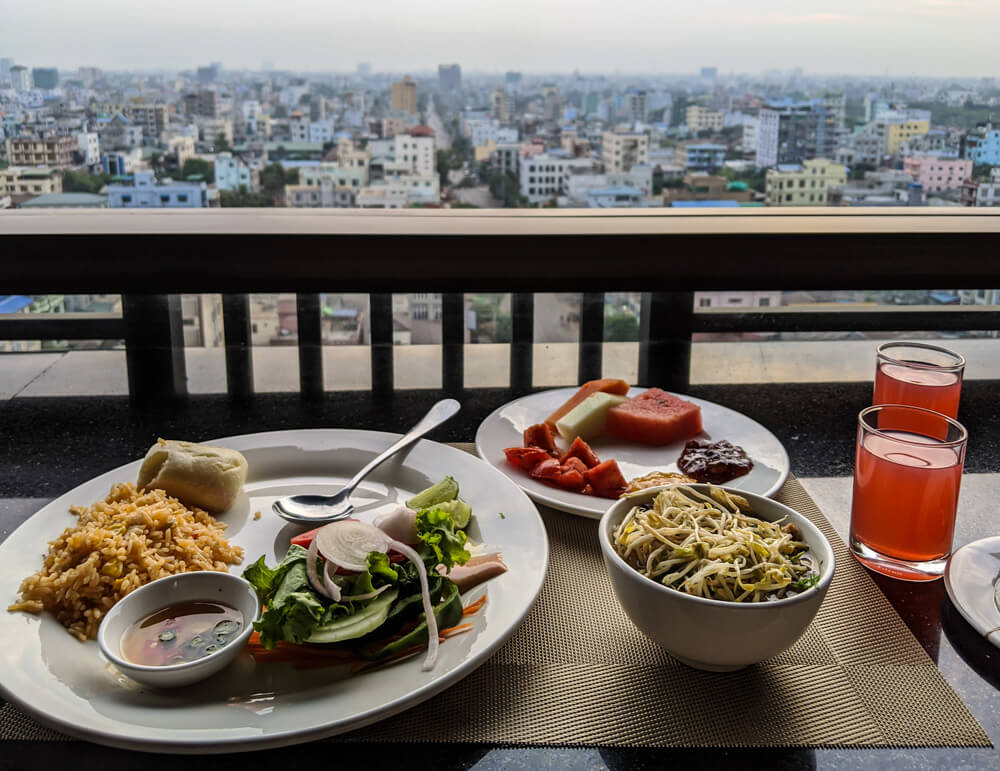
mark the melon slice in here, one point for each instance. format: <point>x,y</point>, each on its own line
<point>586,420</point>
<point>605,385</point>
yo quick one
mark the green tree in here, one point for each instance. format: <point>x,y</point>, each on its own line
<point>75,182</point>
<point>194,167</point>
<point>244,198</point>
<point>621,328</point>
<point>273,179</point>
<point>222,143</point>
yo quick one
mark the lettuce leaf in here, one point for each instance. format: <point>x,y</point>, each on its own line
<point>380,567</point>
<point>436,529</point>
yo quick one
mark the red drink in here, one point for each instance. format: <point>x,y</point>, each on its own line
<point>932,389</point>
<point>906,491</point>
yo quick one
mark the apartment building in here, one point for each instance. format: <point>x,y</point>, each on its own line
<point>324,194</point>
<point>20,182</point>
<point>700,156</point>
<point>120,133</point>
<point>635,106</point>
<point>416,149</point>
<point>621,150</point>
<point>45,78</point>
<point>52,151</point>
<point>984,146</point>
<point>903,131</point>
<point>151,118</point>
<point>982,193</point>
<point>20,79</point>
<point>404,96</point>
<point>145,192</point>
<point>232,174</point>
<point>805,184</point>
<point>204,102</point>
<point>699,118</point>
<point>449,77</point>
<point>791,132</point>
<point>339,176</point>
<point>542,177</point>
<point>501,106</point>
<point>937,174</point>
<point>89,148</point>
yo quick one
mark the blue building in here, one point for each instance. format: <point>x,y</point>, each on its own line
<point>984,147</point>
<point>146,193</point>
<point>702,156</point>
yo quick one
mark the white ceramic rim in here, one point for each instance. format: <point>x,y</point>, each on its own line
<point>824,580</point>
<point>594,512</point>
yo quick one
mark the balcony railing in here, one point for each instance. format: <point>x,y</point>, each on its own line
<point>151,257</point>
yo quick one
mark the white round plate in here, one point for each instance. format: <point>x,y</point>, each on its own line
<point>69,686</point>
<point>505,426</point>
<point>971,579</point>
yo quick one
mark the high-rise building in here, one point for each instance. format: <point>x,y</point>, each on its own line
<point>151,117</point>
<point>204,102</point>
<point>45,77</point>
<point>621,150</point>
<point>20,78</point>
<point>5,65</point>
<point>635,106</point>
<point>449,77</point>
<point>210,74</point>
<point>404,95</point>
<point>709,73</point>
<point>500,104</point>
<point>792,132</point>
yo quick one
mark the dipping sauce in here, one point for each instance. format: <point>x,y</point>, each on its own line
<point>180,633</point>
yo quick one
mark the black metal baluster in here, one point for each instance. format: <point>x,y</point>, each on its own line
<point>239,345</point>
<point>310,345</point>
<point>453,342</point>
<point>154,346</point>
<point>665,340</point>
<point>380,324</point>
<point>522,340</point>
<point>591,336</point>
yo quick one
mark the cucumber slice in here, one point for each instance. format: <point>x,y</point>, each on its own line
<point>366,620</point>
<point>445,490</point>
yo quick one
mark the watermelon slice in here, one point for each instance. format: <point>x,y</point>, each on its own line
<point>654,417</point>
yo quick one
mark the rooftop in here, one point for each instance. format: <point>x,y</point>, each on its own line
<point>67,200</point>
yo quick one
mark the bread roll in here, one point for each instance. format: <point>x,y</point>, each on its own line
<point>197,474</point>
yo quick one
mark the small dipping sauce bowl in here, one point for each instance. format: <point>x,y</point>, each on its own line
<point>198,586</point>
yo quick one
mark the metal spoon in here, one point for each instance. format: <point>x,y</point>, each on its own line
<point>320,509</point>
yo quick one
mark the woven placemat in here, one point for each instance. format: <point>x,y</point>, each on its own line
<point>577,672</point>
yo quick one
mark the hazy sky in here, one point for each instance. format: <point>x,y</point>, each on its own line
<point>925,37</point>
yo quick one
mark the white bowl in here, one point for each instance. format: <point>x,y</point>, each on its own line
<point>206,585</point>
<point>709,634</point>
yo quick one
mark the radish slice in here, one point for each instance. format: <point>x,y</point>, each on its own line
<point>432,627</point>
<point>311,573</point>
<point>348,543</point>
<point>331,587</point>
<point>399,523</point>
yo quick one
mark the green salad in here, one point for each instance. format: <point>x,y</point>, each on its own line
<point>363,585</point>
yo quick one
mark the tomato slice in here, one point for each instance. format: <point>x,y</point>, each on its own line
<point>540,435</point>
<point>525,457</point>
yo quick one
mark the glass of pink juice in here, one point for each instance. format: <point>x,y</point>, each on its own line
<point>907,473</point>
<point>919,374</point>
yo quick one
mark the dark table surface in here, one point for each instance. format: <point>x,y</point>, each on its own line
<point>85,436</point>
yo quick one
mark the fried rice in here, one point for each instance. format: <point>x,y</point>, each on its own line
<point>130,538</point>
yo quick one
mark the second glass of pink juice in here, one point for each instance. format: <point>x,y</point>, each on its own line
<point>919,375</point>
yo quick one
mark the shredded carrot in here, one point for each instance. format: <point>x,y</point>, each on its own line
<point>451,631</point>
<point>474,607</point>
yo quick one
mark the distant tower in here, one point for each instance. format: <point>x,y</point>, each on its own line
<point>404,96</point>
<point>449,77</point>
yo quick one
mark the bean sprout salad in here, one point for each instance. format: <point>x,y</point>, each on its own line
<point>710,546</point>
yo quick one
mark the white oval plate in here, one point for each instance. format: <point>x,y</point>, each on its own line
<point>971,578</point>
<point>70,687</point>
<point>504,428</point>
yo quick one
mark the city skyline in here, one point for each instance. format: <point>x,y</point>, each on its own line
<point>929,38</point>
